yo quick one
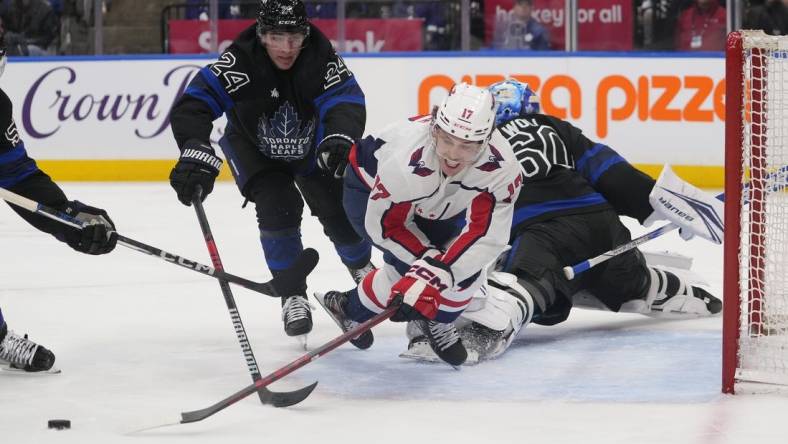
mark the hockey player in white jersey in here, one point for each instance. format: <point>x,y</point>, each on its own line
<point>435,194</point>
<point>573,193</point>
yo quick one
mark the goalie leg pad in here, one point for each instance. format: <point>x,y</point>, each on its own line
<point>487,329</point>
<point>673,293</point>
<point>507,303</point>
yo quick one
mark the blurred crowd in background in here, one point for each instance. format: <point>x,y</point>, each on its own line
<point>53,27</point>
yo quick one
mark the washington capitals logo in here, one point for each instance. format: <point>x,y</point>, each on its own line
<point>283,137</point>
<point>493,162</point>
<point>418,165</point>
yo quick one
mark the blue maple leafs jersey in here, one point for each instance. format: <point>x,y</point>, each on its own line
<point>285,114</point>
<point>567,173</point>
<point>20,174</point>
<point>15,165</point>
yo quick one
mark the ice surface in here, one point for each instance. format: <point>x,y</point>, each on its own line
<point>140,341</point>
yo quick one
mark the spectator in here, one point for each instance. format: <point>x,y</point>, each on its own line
<point>321,10</point>
<point>198,10</point>
<point>771,17</point>
<point>57,6</point>
<point>518,30</point>
<point>31,27</point>
<point>702,27</point>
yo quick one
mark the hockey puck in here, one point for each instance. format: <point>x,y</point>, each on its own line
<point>59,424</point>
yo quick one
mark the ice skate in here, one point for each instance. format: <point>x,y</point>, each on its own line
<point>358,273</point>
<point>334,302</point>
<point>22,354</point>
<point>673,296</point>
<point>443,339</point>
<point>297,318</point>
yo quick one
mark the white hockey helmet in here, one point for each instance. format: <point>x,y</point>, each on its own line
<point>468,113</point>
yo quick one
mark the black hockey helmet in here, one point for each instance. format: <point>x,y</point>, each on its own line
<point>282,15</point>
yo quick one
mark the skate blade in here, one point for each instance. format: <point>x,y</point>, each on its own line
<point>302,341</point>
<point>15,370</point>
<point>422,352</point>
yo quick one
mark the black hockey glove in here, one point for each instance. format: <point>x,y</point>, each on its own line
<point>98,234</point>
<point>332,154</point>
<point>198,165</point>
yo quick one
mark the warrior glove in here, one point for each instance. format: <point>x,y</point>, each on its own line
<point>198,165</point>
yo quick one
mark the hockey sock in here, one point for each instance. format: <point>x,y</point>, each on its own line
<point>354,309</point>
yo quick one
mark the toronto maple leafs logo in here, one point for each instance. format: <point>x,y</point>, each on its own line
<point>283,136</point>
<point>493,161</point>
<point>418,165</point>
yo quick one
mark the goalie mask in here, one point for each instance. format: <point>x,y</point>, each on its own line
<point>513,98</point>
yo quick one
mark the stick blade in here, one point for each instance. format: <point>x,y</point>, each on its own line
<point>286,399</point>
<point>276,399</point>
<point>291,280</point>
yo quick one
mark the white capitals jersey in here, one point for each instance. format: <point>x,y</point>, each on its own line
<point>400,167</point>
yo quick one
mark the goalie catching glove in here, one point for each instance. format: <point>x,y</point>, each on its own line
<point>198,165</point>
<point>419,290</point>
<point>694,211</point>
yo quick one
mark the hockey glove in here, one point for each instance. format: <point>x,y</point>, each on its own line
<point>693,210</point>
<point>98,234</point>
<point>332,154</point>
<point>198,165</point>
<point>419,291</point>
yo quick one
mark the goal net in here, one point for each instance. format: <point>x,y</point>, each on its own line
<point>755,332</point>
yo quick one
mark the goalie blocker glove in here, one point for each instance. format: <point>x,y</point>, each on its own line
<point>332,154</point>
<point>198,165</point>
<point>97,236</point>
<point>694,211</point>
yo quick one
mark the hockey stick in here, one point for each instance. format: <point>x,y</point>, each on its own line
<point>303,265</point>
<point>199,415</point>
<point>266,396</point>
<point>572,271</point>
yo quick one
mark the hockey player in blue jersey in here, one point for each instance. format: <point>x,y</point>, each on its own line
<point>20,174</point>
<point>573,193</point>
<point>294,109</point>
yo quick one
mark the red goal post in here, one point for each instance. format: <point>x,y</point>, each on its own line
<point>755,317</point>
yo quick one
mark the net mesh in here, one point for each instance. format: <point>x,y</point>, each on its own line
<point>763,249</point>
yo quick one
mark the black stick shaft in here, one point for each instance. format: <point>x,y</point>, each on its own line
<point>235,316</point>
<point>266,288</point>
<point>199,415</point>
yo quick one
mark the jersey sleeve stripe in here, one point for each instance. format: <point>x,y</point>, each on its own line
<point>531,211</point>
<point>581,162</point>
<point>596,161</point>
<point>481,214</point>
<point>198,93</point>
<point>369,291</point>
<point>604,167</point>
<point>13,154</point>
<point>394,228</point>
<point>215,86</point>
<point>353,160</point>
<point>348,88</point>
